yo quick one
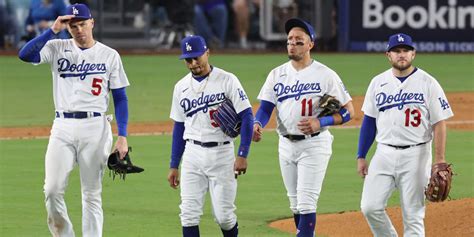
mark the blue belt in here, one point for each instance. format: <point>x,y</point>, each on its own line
<point>207,144</point>
<point>405,147</point>
<point>77,115</point>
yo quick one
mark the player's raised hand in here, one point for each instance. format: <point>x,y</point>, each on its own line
<point>61,23</point>
<point>309,125</point>
<point>240,166</point>
<point>257,132</point>
<point>362,167</point>
<point>173,178</point>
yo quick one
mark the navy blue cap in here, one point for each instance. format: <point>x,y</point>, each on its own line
<point>399,39</point>
<point>80,11</point>
<point>193,46</point>
<point>297,22</point>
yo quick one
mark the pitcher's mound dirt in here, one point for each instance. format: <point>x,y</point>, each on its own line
<point>450,218</point>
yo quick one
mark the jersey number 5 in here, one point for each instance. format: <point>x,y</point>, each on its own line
<point>416,117</point>
<point>97,85</point>
<point>213,123</point>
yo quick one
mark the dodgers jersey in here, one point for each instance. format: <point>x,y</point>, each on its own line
<point>82,79</point>
<point>296,94</point>
<point>194,102</point>
<point>405,111</point>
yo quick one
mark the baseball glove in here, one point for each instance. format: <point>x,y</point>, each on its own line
<point>121,167</point>
<point>227,119</point>
<point>329,105</point>
<point>438,188</point>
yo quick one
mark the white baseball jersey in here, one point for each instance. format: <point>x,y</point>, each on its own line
<point>82,79</point>
<point>194,102</point>
<point>405,112</point>
<point>296,94</point>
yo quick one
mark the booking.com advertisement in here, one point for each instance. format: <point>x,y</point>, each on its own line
<point>435,25</point>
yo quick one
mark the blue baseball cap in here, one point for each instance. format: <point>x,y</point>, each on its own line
<point>80,11</point>
<point>297,22</point>
<point>193,46</point>
<point>399,39</point>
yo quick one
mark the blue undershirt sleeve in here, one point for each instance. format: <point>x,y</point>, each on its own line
<point>367,136</point>
<point>121,110</point>
<point>246,131</point>
<point>177,145</point>
<point>264,113</point>
<point>31,51</point>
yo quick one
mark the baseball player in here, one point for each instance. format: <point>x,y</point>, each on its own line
<point>404,108</point>
<point>295,89</point>
<point>84,72</point>
<point>207,154</point>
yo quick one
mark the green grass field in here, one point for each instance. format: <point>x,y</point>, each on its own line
<point>26,90</point>
<point>144,205</point>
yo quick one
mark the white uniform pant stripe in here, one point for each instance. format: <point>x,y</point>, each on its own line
<point>86,142</point>
<point>303,166</point>
<point>208,169</point>
<point>408,170</point>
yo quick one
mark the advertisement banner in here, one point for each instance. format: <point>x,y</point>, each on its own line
<point>435,25</point>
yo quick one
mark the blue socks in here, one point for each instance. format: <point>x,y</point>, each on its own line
<point>191,231</point>
<point>296,217</point>
<point>306,225</point>
<point>232,232</point>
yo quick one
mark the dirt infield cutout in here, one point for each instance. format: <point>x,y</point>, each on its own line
<point>450,218</point>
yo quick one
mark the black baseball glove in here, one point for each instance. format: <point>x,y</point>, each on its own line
<point>329,105</point>
<point>227,119</point>
<point>121,167</point>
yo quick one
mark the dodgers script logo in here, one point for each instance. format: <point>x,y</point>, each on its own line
<point>203,102</point>
<point>296,90</point>
<point>80,70</point>
<point>400,99</point>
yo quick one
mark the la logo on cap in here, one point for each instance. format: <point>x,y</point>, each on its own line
<point>75,11</point>
<point>188,47</point>
<point>400,38</point>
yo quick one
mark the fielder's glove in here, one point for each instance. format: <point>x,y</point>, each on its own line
<point>438,188</point>
<point>227,119</point>
<point>329,105</point>
<point>121,167</point>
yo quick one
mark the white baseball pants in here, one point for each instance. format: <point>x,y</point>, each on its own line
<point>87,143</point>
<point>210,169</point>
<point>409,171</point>
<point>303,166</point>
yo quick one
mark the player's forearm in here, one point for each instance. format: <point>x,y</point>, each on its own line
<point>177,145</point>
<point>246,131</point>
<point>439,138</point>
<point>344,115</point>
<point>366,136</point>
<point>31,51</point>
<point>121,110</point>
<point>264,113</point>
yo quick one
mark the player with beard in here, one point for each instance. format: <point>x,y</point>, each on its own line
<point>305,143</point>
<point>404,108</point>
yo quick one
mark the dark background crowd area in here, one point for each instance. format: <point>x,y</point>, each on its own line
<point>160,24</point>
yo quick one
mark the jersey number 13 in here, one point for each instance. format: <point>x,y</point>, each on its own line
<point>412,117</point>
